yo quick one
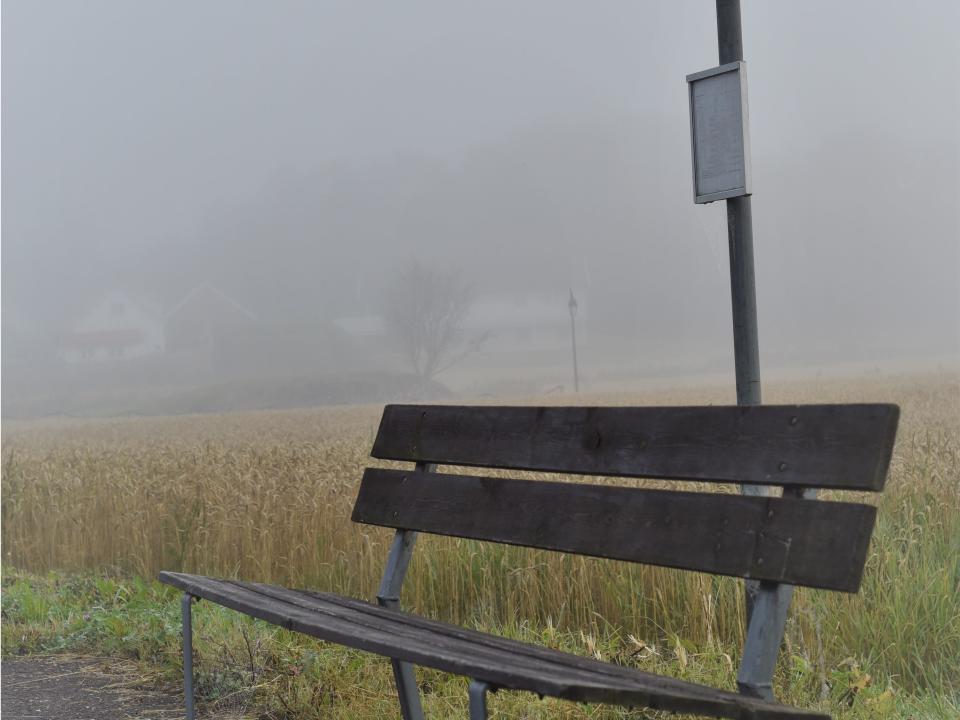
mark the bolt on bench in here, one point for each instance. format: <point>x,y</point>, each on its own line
<point>777,541</point>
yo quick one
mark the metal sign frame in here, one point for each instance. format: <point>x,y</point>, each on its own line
<point>744,183</point>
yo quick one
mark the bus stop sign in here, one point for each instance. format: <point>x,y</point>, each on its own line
<point>719,133</point>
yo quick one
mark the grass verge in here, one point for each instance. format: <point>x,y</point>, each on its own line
<point>261,671</point>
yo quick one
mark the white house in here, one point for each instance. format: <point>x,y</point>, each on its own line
<point>116,326</point>
<point>205,316</point>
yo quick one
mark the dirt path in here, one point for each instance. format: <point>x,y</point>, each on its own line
<point>69,688</point>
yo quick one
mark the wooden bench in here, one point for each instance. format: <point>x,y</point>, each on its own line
<point>776,542</point>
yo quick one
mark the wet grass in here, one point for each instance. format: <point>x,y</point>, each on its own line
<point>257,670</point>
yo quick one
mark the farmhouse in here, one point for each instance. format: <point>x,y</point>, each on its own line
<point>205,316</point>
<point>118,325</point>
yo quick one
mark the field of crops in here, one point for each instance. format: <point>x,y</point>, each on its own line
<point>267,496</point>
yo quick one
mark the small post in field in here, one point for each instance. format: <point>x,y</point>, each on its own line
<point>572,306</point>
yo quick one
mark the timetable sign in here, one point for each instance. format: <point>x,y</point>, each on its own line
<point>719,133</point>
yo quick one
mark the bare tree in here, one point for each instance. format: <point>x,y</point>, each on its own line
<point>424,312</point>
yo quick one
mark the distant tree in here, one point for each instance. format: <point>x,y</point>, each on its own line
<point>424,312</point>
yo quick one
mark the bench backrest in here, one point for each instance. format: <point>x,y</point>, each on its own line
<point>783,540</point>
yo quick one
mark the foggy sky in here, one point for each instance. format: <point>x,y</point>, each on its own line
<point>294,153</point>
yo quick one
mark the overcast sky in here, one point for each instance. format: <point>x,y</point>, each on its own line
<point>197,139</point>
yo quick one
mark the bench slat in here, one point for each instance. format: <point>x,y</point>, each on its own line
<point>501,662</point>
<point>824,446</point>
<point>800,542</point>
<point>404,626</point>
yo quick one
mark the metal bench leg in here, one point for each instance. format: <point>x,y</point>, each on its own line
<point>765,627</point>
<point>478,700</point>
<point>388,596</point>
<point>185,607</point>
<point>764,635</point>
<point>407,692</point>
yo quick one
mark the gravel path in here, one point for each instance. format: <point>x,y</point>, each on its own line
<point>70,688</point>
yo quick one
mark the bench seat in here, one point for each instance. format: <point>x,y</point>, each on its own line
<point>501,662</point>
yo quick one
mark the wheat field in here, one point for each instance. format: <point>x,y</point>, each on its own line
<point>267,496</point>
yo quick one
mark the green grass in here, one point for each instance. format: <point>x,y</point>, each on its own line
<point>266,672</point>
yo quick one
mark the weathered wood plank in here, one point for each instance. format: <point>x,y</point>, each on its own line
<point>800,542</point>
<point>503,663</point>
<point>448,637</point>
<point>827,446</point>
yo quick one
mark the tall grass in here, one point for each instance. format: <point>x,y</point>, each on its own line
<point>267,496</point>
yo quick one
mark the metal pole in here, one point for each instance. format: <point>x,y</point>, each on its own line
<point>477,693</point>
<point>746,346</point>
<point>572,305</point>
<point>389,597</point>
<point>743,293</point>
<point>186,611</point>
<point>398,560</point>
<point>576,373</point>
<point>746,349</point>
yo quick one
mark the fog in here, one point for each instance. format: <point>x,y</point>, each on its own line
<point>265,171</point>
